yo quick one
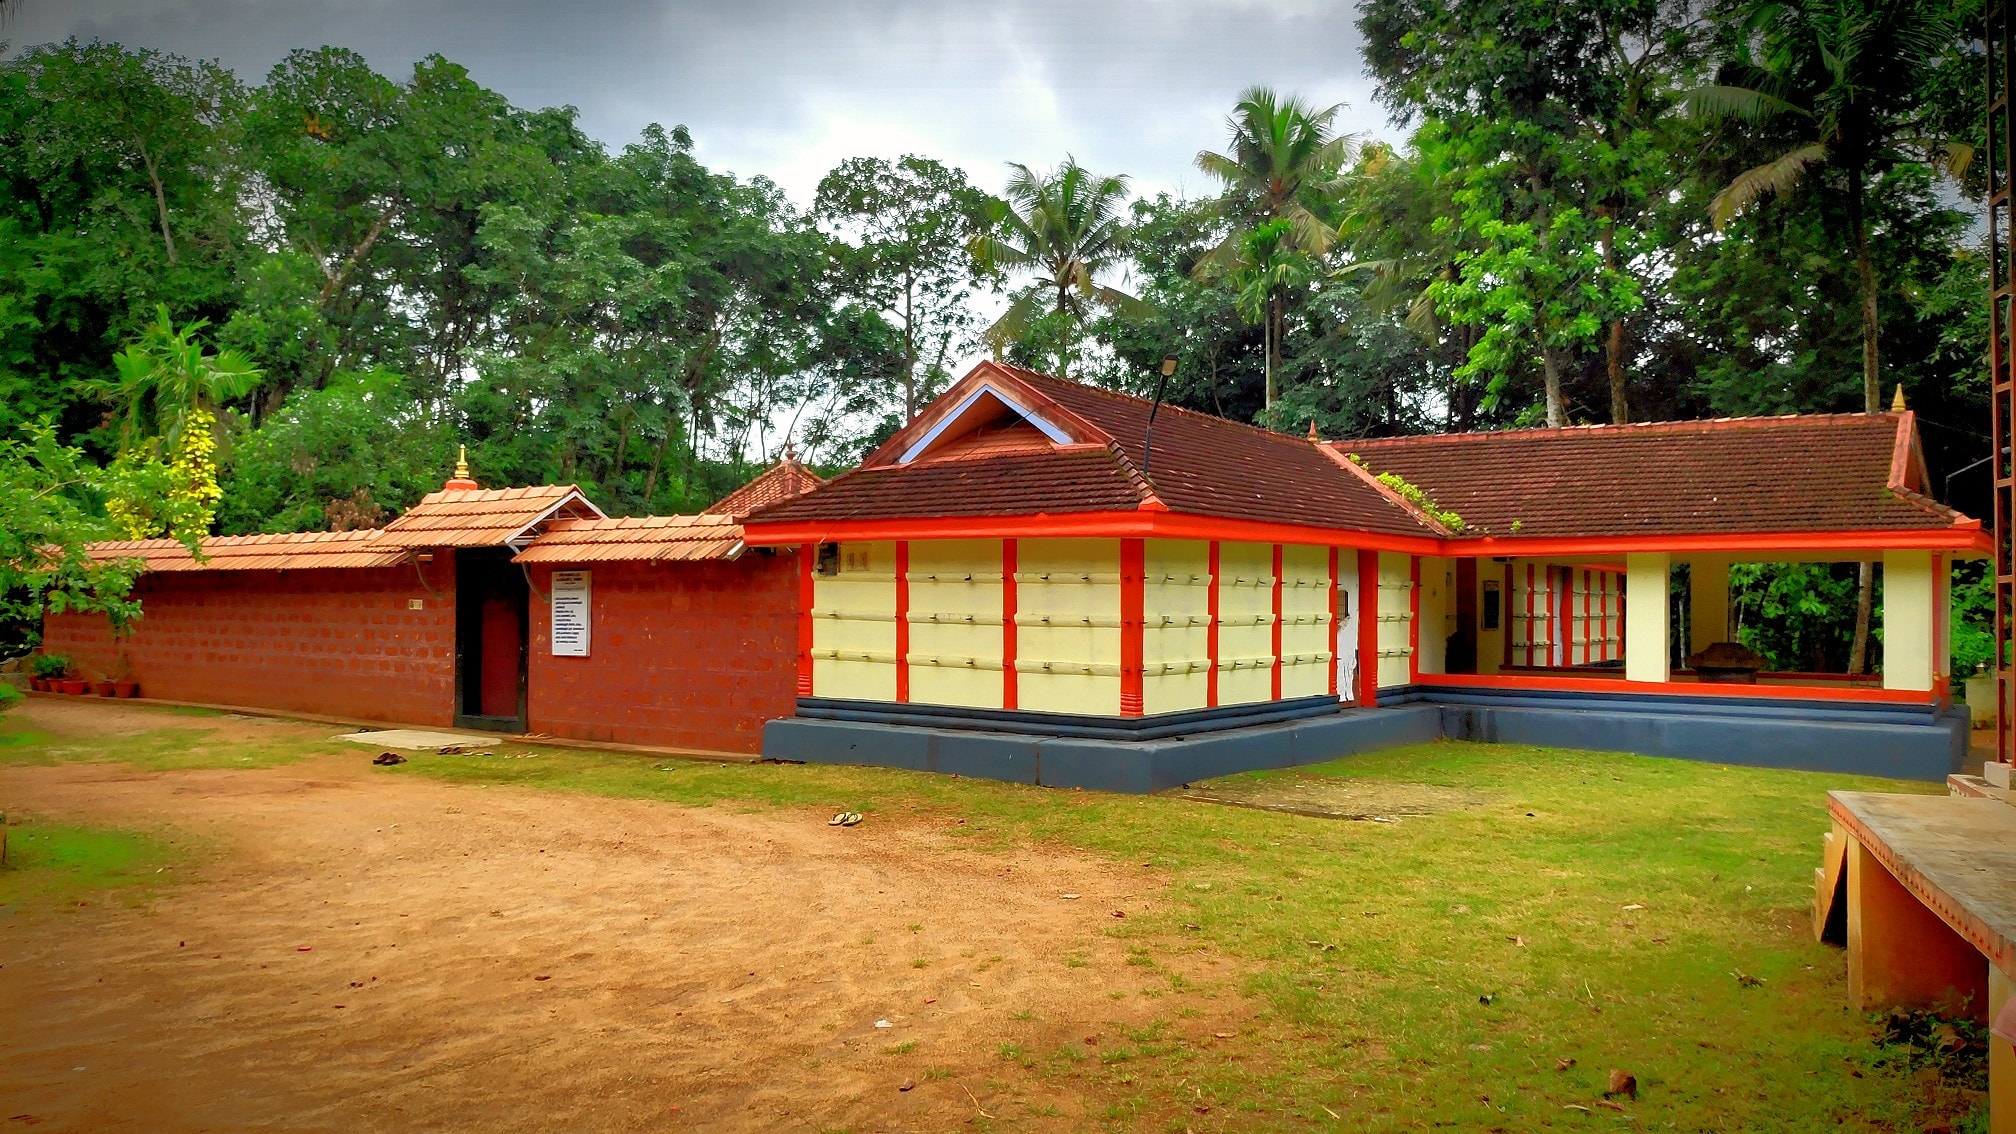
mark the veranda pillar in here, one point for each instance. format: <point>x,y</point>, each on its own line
<point>1909,622</point>
<point>1648,616</point>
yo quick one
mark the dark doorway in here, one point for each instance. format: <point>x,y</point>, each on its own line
<point>1461,656</point>
<point>490,632</point>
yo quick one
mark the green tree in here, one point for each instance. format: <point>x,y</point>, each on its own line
<point>903,227</point>
<point>1281,193</point>
<point>170,392</point>
<point>48,517</point>
<point>1068,227</point>
<point>1844,78</point>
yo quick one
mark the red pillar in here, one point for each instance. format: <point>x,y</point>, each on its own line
<point>902,622</point>
<point>1133,572</point>
<point>808,555</point>
<point>1211,632</point>
<point>1010,687</point>
<point>1368,628</point>
<point>1413,619</point>
<point>1333,622</point>
<point>1276,685</point>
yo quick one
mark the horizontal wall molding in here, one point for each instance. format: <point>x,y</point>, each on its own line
<point>1029,723</point>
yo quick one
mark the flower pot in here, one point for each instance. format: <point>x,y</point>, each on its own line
<point>125,689</point>
<point>75,687</point>
<point>102,688</point>
<point>38,685</point>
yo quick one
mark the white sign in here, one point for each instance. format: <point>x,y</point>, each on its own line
<point>570,614</point>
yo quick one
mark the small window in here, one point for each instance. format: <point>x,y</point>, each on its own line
<point>827,561</point>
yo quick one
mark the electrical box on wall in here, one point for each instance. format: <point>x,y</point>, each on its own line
<point>416,604</point>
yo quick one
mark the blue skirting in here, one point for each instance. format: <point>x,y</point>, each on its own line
<point>1915,742</point>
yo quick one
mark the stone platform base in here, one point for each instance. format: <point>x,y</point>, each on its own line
<point>1903,742</point>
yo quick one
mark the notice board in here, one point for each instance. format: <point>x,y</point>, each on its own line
<point>570,614</point>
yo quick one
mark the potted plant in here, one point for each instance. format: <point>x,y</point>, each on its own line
<point>120,676</point>
<point>100,686</point>
<point>46,670</point>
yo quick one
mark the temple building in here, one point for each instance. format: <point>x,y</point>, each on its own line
<point>1043,581</point>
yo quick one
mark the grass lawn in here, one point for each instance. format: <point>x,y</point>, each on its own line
<point>1487,966</point>
<point>1483,967</point>
<point>56,864</point>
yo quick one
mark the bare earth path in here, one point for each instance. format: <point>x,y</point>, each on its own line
<point>387,952</point>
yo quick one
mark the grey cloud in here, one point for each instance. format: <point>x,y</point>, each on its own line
<point>786,88</point>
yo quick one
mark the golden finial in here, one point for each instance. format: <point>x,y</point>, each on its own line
<point>1312,431</point>
<point>1897,403</point>
<point>462,460</point>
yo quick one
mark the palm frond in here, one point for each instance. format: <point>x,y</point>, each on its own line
<point>1776,176</point>
<point>1721,101</point>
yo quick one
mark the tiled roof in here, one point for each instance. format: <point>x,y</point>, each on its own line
<point>1815,473</point>
<point>292,551</point>
<point>1209,466</point>
<point>637,538</point>
<point>1088,478</point>
<point>484,517</point>
<point>781,481</point>
<point>1201,465</point>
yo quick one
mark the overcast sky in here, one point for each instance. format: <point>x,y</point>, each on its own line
<point>787,88</point>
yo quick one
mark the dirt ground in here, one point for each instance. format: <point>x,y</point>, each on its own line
<point>371,950</point>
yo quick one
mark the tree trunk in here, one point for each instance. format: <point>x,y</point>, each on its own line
<point>909,351</point>
<point>1872,401</point>
<point>1557,410</point>
<point>160,199</point>
<point>1865,269</point>
<point>1613,350</point>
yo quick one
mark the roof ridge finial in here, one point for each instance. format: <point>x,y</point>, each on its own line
<point>1313,438</point>
<point>461,481</point>
<point>790,451</point>
<point>1897,403</point>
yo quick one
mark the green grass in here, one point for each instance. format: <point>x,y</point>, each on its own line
<point>1459,958</point>
<point>1480,968</point>
<point>53,864</point>
<point>158,750</point>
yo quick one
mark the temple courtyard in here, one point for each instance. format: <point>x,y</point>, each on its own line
<point>216,921</point>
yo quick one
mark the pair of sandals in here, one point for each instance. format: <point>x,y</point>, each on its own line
<point>844,819</point>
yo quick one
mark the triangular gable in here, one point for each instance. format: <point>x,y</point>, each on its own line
<point>987,396</point>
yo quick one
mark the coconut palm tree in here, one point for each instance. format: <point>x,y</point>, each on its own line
<point>1066,226</point>
<point>1282,172</point>
<point>1842,77</point>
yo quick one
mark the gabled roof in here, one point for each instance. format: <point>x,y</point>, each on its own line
<point>1808,473</point>
<point>494,517</point>
<point>636,539</point>
<point>780,482</point>
<point>1007,441</point>
<point>291,551</point>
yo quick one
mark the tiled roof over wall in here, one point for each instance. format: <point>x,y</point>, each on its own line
<point>293,551</point>
<point>664,539</point>
<point>484,517</point>
<point>1815,473</point>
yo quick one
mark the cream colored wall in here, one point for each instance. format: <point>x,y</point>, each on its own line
<point>854,625</point>
<point>1395,620</point>
<point>1175,633</point>
<point>1909,593</point>
<point>955,623</point>
<point>1245,623</point>
<point>1067,597</point>
<point>1438,612</point>
<point>1305,621</point>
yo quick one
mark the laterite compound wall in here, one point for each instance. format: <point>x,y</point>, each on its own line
<point>681,655</point>
<point>368,643</point>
